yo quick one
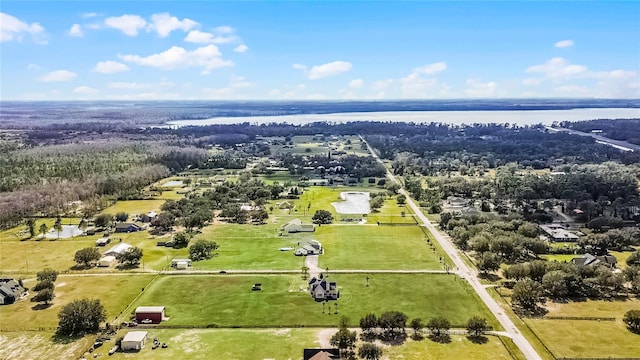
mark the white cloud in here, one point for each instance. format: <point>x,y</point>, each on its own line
<point>128,24</point>
<point>58,76</point>
<point>89,15</point>
<point>316,97</point>
<point>557,68</point>
<point>13,29</point>
<point>564,44</point>
<point>479,89</point>
<point>206,57</point>
<point>239,82</point>
<point>85,90</point>
<point>33,67</point>
<point>222,30</point>
<point>356,83</point>
<point>531,81</point>
<point>381,84</point>
<point>328,69</point>
<point>110,67</point>
<point>241,48</point>
<point>164,24</point>
<point>201,37</point>
<point>299,67</point>
<point>76,31</point>
<point>572,91</point>
<point>274,92</point>
<point>430,69</point>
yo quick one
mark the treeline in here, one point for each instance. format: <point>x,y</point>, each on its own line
<point>622,129</point>
<point>462,149</point>
<point>58,197</point>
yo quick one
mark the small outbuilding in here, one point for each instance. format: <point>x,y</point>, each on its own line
<point>106,261</point>
<point>134,340</point>
<point>153,313</point>
<point>118,249</point>
<point>127,228</point>
<point>103,241</point>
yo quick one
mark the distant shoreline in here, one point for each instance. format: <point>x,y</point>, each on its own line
<point>458,117</point>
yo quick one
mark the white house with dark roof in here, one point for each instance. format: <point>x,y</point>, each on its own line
<point>322,290</point>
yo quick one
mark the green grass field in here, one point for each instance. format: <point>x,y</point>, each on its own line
<point>559,257</point>
<point>375,247</point>
<point>587,336</point>
<point>115,292</point>
<point>283,344</point>
<point>284,301</point>
<point>134,207</point>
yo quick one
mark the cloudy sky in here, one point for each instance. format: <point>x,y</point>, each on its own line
<point>318,50</point>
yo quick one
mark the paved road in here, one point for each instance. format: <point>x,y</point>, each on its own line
<point>619,143</point>
<point>468,273</point>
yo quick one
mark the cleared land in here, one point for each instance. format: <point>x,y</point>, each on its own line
<point>283,300</point>
<point>115,292</point>
<point>376,247</point>
<point>38,346</point>
<point>586,336</point>
<point>134,207</point>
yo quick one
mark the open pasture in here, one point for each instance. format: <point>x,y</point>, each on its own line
<point>227,300</point>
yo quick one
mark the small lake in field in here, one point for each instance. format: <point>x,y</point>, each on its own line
<point>353,202</point>
<point>67,232</point>
<point>173,183</point>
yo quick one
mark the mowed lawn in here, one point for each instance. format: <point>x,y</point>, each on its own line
<point>588,338</point>
<point>227,300</point>
<point>460,347</point>
<point>249,247</point>
<point>134,207</point>
<point>115,292</point>
<point>374,247</point>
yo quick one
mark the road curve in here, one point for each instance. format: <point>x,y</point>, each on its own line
<point>469,274</point>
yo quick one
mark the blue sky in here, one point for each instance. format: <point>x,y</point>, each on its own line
<point>318,50</point>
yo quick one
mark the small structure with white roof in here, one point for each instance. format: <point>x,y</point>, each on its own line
<point>134,340</point>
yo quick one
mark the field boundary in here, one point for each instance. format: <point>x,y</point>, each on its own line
<point>579,318</point>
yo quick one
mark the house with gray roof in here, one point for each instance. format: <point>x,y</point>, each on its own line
<point>322,290</point>
<point>10,291</point>
<point>296,225</point>
<point>308,247</point>
<point>592,260</point>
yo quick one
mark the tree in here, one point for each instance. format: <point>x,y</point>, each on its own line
<point>305,272</point>
<point>47,274</point>
<point>201,250</point>
<point>392,323</point>
<point>103,220</point>
<point>417,325</point>
<point>376,203</point>
<point>344,339</point>
<point>83,224</point>
<point>555,283</point>
<point>526,294</point>
<point>634,258</point>
<point>401,199</point>
<point>86,256</point>
<point>489,262</point>
<point>181,239</point>
<point>58,226</point>
<point>44,295</point>
<point>31,224</point>
<point>121,216</point>
<point>369,324</point>
<point>130,257</point>
<point>369,351</point>
<point>44,284</point>
<point>164,221</point>
<point>476,326</point>
<point>43,229</point>
<point>632,319</point>
<point>80,317</point>
<point>438,325</point>
<point>322,217</point>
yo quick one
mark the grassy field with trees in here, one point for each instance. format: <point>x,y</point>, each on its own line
<point>284,301</point>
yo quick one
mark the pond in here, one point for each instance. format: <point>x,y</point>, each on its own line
<point>173,183</point>
<point>354,202</point>
<point>68,231</point>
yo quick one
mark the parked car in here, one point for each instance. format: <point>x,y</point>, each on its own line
<point>146,321</point>
<point>113,350</point>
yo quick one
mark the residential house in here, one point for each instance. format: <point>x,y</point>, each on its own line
<point>591,260</point>
<point>296,225</point>
<point>10,291</point>
<point>322,290</point>
<point>309,247</point>
<point>127,228</point>
<point>558,233</point>
<point>321,354</point>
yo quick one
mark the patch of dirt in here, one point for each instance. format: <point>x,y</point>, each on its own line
<point>36,347</point>
<point>189,340</point>
<point>282,332</point>
<point>324,337</point>
<point>61,284</point>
